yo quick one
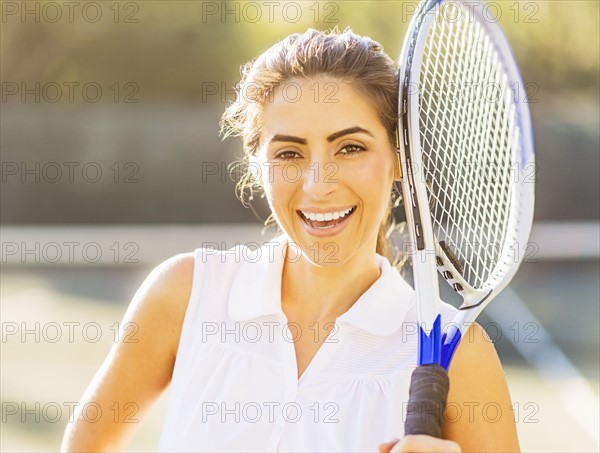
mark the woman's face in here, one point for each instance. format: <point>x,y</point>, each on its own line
<point>327,168</point>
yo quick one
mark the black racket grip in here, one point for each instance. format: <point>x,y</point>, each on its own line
<point>427,398</point>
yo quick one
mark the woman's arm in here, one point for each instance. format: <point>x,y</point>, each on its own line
<point>134,374</point>
<point>479,416</point>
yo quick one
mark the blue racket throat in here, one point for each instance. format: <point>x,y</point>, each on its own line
<point>429,344</point>
<point>450,342</point>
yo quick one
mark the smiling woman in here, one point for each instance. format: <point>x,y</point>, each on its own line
<point>343,166</point>
<point>301,344</point>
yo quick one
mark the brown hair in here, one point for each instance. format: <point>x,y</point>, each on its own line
<point>345,56</point>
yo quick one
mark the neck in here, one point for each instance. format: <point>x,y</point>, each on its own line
<point>314,293</point>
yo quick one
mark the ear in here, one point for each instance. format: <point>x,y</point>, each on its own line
<point>397,166</point>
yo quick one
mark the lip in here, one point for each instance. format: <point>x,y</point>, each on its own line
<point>330,231</point>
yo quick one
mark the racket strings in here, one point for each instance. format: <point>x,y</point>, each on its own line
<point>467,144</point>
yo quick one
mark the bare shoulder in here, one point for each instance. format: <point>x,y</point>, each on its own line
<point>475,354</point>
<point>162,299</point>
<point>171,277</point>
<point>479,415</point>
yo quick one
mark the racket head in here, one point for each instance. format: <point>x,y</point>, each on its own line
<point>468,193</point>
<point>453,211</point>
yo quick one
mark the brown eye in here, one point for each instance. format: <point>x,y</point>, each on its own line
<point>287,155</point>
<point>353,149</point>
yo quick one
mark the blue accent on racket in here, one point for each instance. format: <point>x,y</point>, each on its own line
<point>429,345</point>
<point>450,341</point>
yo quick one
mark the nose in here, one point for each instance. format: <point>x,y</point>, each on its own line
<point>319,179</point>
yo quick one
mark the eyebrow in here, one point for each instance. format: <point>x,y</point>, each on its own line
<point>330,138</point>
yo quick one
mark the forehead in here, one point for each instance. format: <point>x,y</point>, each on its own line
<point>314,106</point>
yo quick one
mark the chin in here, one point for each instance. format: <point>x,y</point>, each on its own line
<point>321,252</point>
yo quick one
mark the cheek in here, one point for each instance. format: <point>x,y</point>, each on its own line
<point>278,189</point>
<point>376,178</point>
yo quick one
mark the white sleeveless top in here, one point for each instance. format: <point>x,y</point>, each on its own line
<point>235,385</point>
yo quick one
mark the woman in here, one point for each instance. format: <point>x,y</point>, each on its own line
<point>307,343</point>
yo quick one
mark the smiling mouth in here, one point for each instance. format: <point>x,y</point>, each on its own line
<point>324,224</point>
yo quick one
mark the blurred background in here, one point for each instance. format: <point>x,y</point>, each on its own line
<point>111,163</point>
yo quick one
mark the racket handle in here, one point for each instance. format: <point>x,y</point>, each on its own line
<point>428,394</point>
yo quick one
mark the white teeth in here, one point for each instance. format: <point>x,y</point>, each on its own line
<point>327,216</point>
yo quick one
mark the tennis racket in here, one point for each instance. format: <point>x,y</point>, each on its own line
<point>465,146</point>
